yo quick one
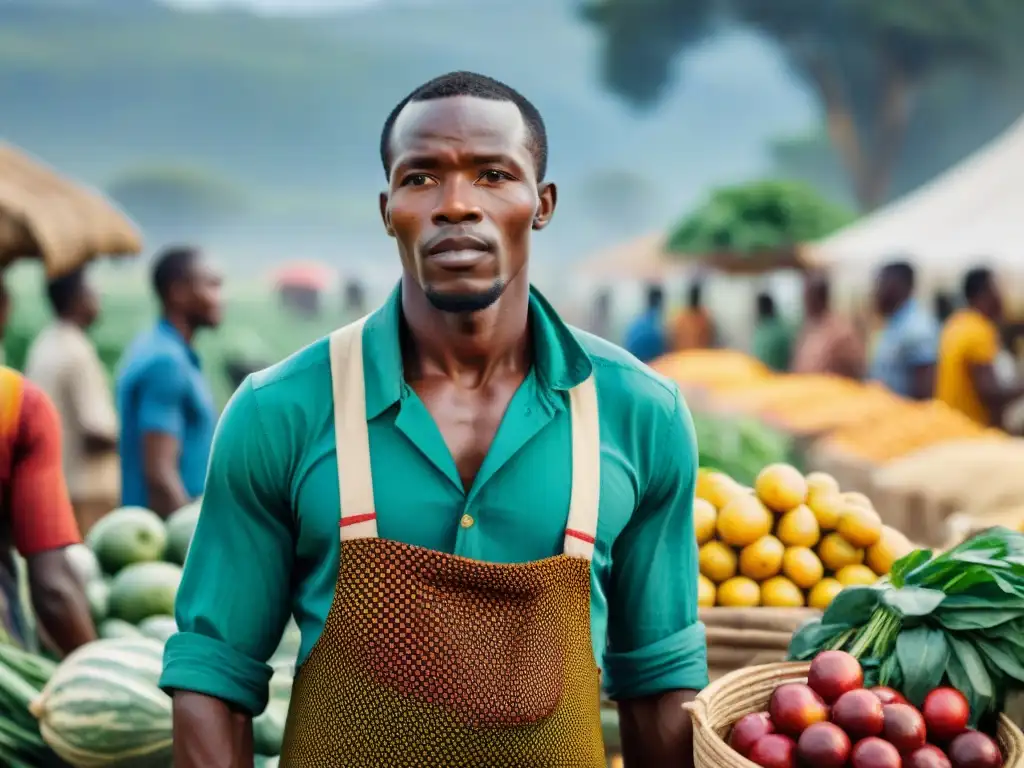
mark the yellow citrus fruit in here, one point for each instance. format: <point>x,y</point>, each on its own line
<point>739,592</point>
<point>798,528</point>
<point>890,547</point>
<point>717,561</point>
<point>822,593</point>
<point>704,515</point>
<point>762,559</point>
<point>705,591</point>
<point>781,487</point>
<point>743,521</point>
<point>858,499</point>
<point>821,482</point>
<point>801,566</point>
<point>716,488</point>
<point>827,506</point>
<point>860,526</point>
<point>836,552</point>
<point>853,575</point>
<point>780,592</point>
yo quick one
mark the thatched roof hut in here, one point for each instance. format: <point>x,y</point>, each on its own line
<point>46,216</point>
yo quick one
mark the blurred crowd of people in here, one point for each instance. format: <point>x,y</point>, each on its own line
<point>956,351</point>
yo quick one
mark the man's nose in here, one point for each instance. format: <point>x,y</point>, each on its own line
<point>457,203</point>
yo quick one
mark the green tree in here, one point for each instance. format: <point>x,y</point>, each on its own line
<point>165,197</point>
<point>866,60</point>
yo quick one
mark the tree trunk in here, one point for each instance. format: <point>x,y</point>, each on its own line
<point>841,126</point>
<point>869,164</point>
<point>893,115</point>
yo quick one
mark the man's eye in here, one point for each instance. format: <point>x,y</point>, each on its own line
<point>494,176</point>
<point>415,180</point>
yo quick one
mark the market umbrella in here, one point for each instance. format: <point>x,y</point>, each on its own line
<point>46,216</point>
<point>307,275</point>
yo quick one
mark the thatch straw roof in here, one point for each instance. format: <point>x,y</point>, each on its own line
<point>45,216</point>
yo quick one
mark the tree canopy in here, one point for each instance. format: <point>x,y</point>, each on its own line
<point>865,60</point>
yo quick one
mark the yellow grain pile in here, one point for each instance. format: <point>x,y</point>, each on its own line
<point>917,426</point>
<point>710,368</point>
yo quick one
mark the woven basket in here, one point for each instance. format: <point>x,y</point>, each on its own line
<point>728,699</point>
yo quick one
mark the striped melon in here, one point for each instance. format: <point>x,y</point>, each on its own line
<point>103,709</point>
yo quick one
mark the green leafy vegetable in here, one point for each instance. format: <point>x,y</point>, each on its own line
<point>955,618</point>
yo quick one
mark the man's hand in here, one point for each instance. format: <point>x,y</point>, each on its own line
<point>657,731</point>
<point>209,733</point>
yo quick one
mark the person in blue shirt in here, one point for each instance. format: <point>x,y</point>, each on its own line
<point>645,337</point>
<point>907,349</point>
<point>165,403</point>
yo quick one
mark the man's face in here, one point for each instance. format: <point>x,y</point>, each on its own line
<point>463,198</point>
<point>90,303</point>
<point>204,301</point>
<point>888,293</point>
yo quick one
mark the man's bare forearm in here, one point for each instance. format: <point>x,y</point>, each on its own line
<point>59,601</point>
<point>656,731</point>
<point>166,495</point>
<point>209,733</point>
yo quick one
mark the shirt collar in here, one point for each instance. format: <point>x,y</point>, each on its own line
<point>560,360</point>
<point>167,330</point>
<point>908,308</point>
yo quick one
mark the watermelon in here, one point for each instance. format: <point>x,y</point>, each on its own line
<point>83,562</point>
<point>127,535</point>
<point>181,525</point>
<point>97,592</point>
<point>115,629</point>
<point>103,707</point>
<point>144,589</point>
<point>159,628</point>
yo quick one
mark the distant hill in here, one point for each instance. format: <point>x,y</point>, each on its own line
<point>288,111</point>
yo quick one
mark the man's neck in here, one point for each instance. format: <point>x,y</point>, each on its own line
<point>470,347</point>
<point>180,325</point>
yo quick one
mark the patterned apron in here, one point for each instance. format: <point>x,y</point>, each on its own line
<point>429,660</point>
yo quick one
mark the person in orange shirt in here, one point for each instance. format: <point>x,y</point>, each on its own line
<point>970,342</point>
<point>693,327</point>
<point>37,520</point>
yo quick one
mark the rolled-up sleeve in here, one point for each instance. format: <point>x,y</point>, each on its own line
<point>234,601</point>
<point>656,641</point>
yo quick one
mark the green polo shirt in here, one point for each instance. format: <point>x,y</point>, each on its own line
<point>267,545</point>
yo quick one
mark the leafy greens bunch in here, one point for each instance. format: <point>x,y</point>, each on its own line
<point>956,618</point>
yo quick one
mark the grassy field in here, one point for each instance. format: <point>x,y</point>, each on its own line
<point>256,327</point>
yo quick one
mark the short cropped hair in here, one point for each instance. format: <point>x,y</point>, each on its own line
<point>172,265</point>
<point>976,282</point>
<point>477,86</point>
<point>62,291</point>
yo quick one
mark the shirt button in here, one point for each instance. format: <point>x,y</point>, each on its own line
<point>467,521</point>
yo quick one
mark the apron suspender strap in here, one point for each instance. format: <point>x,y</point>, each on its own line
<point>352,439</point>
<point>584,499</point>
<point>355,481</point>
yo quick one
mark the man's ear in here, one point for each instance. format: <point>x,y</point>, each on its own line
<point>385,215</point>
<point>547,194</point>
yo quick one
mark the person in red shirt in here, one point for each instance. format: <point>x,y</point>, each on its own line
<point>36,519</point>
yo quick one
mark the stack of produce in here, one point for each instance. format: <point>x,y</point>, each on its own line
<point>954,619</point>
<point>833,721</point>
<point>739,447</point>
<point>711,368</point>
<point>791,541</point>
<point>22,677</point>
<point>102,706</point>
<point>918,426</point>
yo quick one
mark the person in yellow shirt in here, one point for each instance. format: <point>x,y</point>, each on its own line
<point>970,342</point>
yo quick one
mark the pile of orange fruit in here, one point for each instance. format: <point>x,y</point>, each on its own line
<point>790,541</point>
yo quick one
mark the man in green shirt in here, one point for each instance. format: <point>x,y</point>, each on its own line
<point>515,502</point>
<point>773,338</point>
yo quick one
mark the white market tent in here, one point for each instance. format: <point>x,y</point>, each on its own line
<point>970,215</point>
